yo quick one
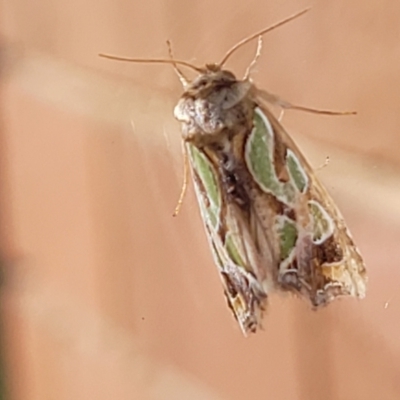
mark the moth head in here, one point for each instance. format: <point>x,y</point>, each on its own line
<point>212,77</point>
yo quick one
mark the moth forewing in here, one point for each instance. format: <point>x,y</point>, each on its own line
<point>328,263</point>
<point>230,242</point>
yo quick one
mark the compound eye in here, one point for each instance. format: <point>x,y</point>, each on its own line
<point>201,84</point>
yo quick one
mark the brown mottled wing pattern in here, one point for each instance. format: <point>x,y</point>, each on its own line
<point>324,265</point>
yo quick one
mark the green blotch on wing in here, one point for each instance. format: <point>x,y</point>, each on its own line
<point>322,222</point>
<point>297,172</point>
<point>260,161</point>
<point>259,154</point>
<point>207,175</point>
<point>233,251</point>
<point>288,237</point>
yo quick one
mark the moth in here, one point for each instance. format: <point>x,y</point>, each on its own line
<point>271,224</point>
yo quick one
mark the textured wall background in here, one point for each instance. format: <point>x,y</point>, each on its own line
<point>105,295</point>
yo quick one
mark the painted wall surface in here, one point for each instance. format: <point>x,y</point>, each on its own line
<point>105,295</point>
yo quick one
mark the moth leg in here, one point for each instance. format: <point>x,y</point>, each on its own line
<point>181,76</point>
<point>255,59</point>
<point>277,101</point>
<point>280,118</point>
<point>185,181</point>
<point>324,164</point>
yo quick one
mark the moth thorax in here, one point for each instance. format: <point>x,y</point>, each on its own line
<point>215,106</point>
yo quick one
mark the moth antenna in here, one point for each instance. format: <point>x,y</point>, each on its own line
<point>181,76</point>
<point>317,111</point>
<point>255,59</point>
<point>185,181</point>
<point>285,105</point>
<point>153,61</point>
<point>260,33</point>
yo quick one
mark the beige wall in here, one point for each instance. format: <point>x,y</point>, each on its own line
<point>106,296</point>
